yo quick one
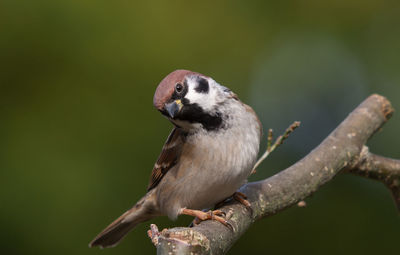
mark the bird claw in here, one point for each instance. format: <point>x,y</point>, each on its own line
<point>242,198</point>
<point>216,215</point>
<point>153,234</point>
<point>219,213</point>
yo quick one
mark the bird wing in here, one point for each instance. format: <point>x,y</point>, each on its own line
<point>169,156</point>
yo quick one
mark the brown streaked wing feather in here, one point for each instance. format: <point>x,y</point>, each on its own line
<point>168,158</point>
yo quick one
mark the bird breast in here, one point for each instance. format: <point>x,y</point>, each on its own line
<point>213,165</point>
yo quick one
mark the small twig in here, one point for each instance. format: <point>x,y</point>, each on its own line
<point>278,141</point>
<point>269,139</point>
<point>302,203</point>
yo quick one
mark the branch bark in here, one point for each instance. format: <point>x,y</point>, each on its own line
<point>385,170</point>
<point>343,150</point>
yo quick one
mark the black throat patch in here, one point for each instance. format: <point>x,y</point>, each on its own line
<point>193,113</point>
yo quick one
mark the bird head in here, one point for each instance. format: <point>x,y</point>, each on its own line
<point>191,100</point>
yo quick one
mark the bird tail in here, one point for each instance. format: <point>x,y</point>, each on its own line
<point>118,229</point>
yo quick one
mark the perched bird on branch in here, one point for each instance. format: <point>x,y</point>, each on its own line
<point>208,155</point>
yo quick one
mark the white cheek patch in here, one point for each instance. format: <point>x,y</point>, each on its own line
<point>207,101</point>
<point>186,124</point>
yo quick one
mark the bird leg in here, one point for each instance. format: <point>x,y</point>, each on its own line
<point>202,216</point>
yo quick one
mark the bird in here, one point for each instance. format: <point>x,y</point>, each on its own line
<point>207,157</point>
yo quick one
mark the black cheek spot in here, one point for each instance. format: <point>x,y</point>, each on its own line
<point>202,86</point>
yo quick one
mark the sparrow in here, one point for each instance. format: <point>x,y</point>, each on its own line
<point>208,155</point>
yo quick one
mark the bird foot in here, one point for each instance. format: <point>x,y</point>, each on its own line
<point>216,215</point>
<point>238,196</point>
<point>242,198</point>
<point>153,234</point>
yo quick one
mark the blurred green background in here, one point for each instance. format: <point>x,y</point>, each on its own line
<point>79,134</point>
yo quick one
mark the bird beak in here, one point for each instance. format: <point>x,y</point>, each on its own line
<point>173,108</point>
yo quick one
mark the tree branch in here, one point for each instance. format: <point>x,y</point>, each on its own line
<point>343,149</point>
<point>385,170</point>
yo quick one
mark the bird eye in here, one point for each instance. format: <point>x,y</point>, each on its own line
<point>178,88</point>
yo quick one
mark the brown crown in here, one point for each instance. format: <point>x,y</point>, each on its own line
<point>166,87</point>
